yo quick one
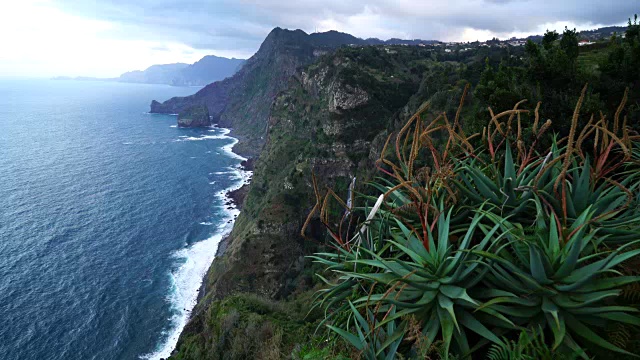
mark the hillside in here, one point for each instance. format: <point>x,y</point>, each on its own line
<point>204,71</point>
<point>331,121</point>
<point>155,74</point>
<point>209,69</point>
<point>308,106</point>
<point>243,101</point>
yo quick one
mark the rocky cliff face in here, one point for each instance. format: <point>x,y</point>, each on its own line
<point>243,101</point>
<point>196,116</point>
<point>329,122</point>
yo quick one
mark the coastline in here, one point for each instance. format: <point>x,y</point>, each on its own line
<point>236,198</point>
<point>231,199</point>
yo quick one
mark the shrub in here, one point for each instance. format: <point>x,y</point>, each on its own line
<point>475,241</point>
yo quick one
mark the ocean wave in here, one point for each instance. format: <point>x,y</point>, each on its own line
<point>174,126</point>
<point>196,259</point>
<point>185,282</point>
<point>222,133</point>
<point>201,137</point>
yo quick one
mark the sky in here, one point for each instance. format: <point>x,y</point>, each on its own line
<point>43,38</point>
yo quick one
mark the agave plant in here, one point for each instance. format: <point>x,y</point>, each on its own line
<point>477,243</point>
<point>515,191</point>
<point>563,286</point>
<point>372,339</point>
<point>404,278</point>
<point>509,189</point>
<point>614,204</point>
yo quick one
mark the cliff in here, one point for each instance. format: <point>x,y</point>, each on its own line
<point>197,116</point>
<point>331,121</point>
<point>331,118</point>
<point>243,101</point>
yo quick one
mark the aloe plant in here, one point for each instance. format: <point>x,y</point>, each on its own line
<point>477,244</point>
<point>372,339</point>
<point>406,279</point>
<point>563,286</point>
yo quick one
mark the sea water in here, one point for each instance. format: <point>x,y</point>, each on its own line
<point>109,217</point>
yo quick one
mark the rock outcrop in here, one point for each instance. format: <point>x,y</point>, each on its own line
<point>195,116</point>
<point>243,101</point>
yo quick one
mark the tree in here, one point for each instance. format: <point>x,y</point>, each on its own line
<point>569,43</point>
<point>620,70</point>
<point>531,49</point>
<point>549,38</point>
<point>633,30</point>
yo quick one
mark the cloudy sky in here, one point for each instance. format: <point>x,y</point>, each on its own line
<point>106,38</point>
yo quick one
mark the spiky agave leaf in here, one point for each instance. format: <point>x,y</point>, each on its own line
<point>561,286</point>
<point>373,340</point>
<point>429,285</point>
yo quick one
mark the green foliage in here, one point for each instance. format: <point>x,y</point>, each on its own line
<point>564,291</point>
<point>530,345</point>
<point>247,326</point>
<point>373,340</point>
<point>442,190</point>
<point>555,71</point>
<point>569,43</point>
<point>468,243</point>
<point>549,38</point>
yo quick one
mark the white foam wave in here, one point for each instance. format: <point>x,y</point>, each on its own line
<point>222,134</point>
<point>196,259</point>
<point>174,126</point>
<point>200,138</point>
<point>206,223</point>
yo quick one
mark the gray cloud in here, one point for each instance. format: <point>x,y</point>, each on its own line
<point>240,26</point>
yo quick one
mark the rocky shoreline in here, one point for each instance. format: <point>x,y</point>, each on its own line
<point>235,198</point>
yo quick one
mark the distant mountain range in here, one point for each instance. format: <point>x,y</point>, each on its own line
<point>213,68</point>
<point>209,69</point>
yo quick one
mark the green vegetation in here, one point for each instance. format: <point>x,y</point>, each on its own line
<point>471,245</point>
<point>555,71</point>
<point>515,243</point>
<point>194,116</point>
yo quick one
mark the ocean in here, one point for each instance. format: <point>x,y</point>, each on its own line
<point>109,217</point>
